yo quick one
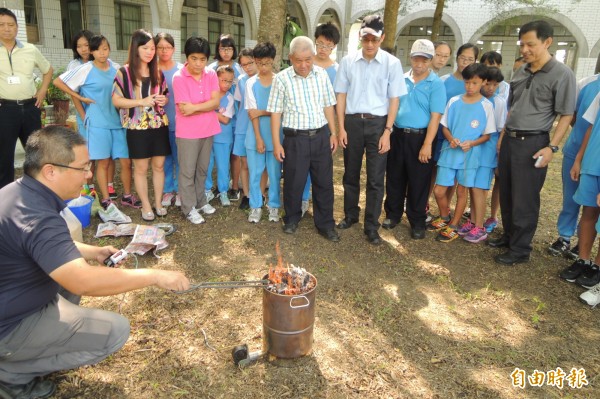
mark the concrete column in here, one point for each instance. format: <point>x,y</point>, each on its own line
<point>166,17</point>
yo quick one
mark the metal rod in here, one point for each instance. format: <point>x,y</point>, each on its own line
<point>226,284</point>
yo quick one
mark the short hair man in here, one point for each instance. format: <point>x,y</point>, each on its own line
<point>408,164</point>
<point>368,86</point>
<point>540,91</point>
<point>302,98</point>
<point>40,331</point>
<point>20,103</point>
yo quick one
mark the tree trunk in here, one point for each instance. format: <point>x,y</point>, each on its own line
<point>390,19</point>
<point>437,20</point>
<point>271,25</point>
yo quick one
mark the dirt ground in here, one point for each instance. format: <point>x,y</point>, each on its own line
<point>407,319</point>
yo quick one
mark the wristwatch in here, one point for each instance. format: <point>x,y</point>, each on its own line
<point>554,148</point>
<point>388,128</point>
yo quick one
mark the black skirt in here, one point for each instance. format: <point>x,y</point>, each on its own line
<point>148,143</point>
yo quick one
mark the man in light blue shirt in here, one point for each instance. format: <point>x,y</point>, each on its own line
<point>368,86</point>
<point>408,165</point>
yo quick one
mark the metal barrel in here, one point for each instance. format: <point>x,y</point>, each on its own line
<point>288,323</point>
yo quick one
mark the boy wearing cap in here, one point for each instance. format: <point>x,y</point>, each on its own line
<point>408,164</point>
<point>368,86</point>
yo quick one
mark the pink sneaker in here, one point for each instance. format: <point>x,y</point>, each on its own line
<point>465,228</point>
<point>476,235</point>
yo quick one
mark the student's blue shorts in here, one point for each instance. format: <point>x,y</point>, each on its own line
<point>588,190</point>
<point>483,178</point>
<point>106,143</point>
<point>239,145</point>
<point>447,176</point>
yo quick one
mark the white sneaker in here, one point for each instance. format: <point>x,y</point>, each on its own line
<point>167,199</point>
<point>224,199</point>
<point>177,200</point>
<point>255,215</point>
<point>209,195</point>
<point>304,207</point>
<point>207,209</point>
<point>273,214</point>
<point>592,296</point>
<point>195,217</point>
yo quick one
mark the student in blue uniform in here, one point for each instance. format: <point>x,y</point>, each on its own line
<point>241,126</point>
<point>259,142</point>
<point>165,47</point>
<point>587,90</point>
<point>468,122</point>
<point>489,149</point>
<point>586,170</point>
<point>92,83</point>
<point>494,59</point>
<point>222,142</point>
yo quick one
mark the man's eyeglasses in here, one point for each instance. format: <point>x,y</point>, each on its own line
<point>226,49</point>
<point>324,46</point>
<point>86,169</point>
<point>462,58</point>
<point>374,41</point>
<point>247,64</point>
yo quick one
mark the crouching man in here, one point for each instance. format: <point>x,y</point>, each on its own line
<point>40,331</point>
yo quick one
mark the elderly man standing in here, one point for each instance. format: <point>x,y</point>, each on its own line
<point>40,331</point>
<point>20,103</point>
<point>368,86</point>
<point>408,165</point>
<point>302,98</point>
<point>539,91</point>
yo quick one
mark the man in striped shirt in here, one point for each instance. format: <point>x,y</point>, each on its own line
<point>302,99</point>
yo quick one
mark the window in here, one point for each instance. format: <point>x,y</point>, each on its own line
<point>213,5</point>
<point>239,35</point>
<point>184,30</point>
<point>73,19</point>
<point>128,19</point>
<point>214,30</point>
<point>31,23</point>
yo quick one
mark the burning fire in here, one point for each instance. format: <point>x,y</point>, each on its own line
<point>288,280</point>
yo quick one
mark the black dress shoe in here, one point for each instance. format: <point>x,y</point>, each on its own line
<point>373,237</point>
<point>330,234</point>
<point>346,223</point>
<point>290,228</point>
<point>417,234</point>
<point>34,389</point>
<point>508,258</point>
<point>389,224</point>
<point>501,242</point>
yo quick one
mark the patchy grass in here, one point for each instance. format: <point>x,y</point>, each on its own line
<point>408,319</point>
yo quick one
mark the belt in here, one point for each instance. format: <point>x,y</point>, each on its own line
<point>289,132</point>
<point>365,116</point>
<point>27,101</point>
<point>410,130</point>
<point>521,134</point>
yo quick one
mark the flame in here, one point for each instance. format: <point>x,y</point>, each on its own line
<point>280,273</point>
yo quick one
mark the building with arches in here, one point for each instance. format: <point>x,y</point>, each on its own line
<point>51,23</point>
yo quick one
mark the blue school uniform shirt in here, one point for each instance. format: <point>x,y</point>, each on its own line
<point>170,107</point>
<point>588,89</point>
<point>257,97</point>
<point>466,122</point>
<point>241,114</point>
<point>226,108</point>
<point>454,87</point>
<point>489,153</point>
<point>423,98</point>
<point>92,82</point>
<point>590,164</point>
<point>332,71</point>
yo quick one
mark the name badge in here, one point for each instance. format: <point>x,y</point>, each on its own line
<point>14,80</point>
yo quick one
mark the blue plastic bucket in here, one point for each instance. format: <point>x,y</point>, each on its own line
<point>83,212</point>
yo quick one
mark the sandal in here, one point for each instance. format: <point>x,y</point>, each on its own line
<point>148,216</point>
<point>160,212</point>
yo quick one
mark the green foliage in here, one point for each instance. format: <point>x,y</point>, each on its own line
<point>54,93</point>
<point>292,30</point>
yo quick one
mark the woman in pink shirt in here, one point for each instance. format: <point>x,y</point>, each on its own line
<point>196,89</point>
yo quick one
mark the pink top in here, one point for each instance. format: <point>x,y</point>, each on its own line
<point>189,90</point>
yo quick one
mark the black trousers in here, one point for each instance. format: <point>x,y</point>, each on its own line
<point>520,186</point>
<point>304,155</point>
<point>407,179</point>
<point>16,122</point>
<point>363,137</point>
